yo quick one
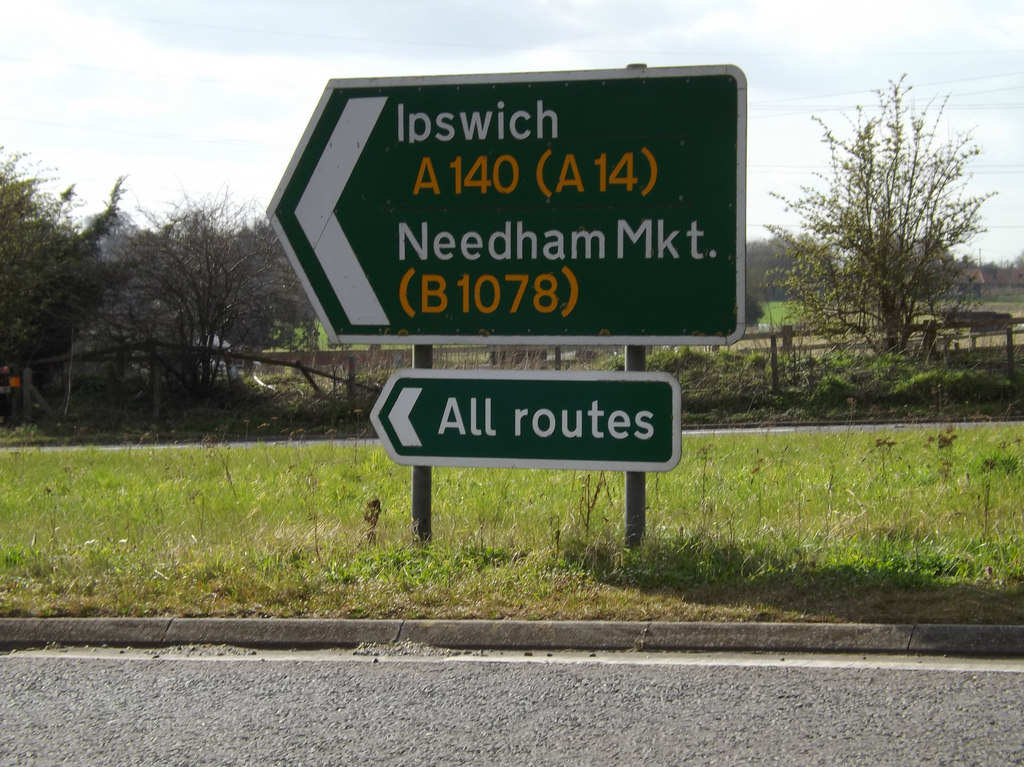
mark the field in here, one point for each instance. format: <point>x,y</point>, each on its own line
<point>905,525</point>
<point>778,313</point>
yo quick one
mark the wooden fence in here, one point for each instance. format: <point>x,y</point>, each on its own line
<point>353,371</point>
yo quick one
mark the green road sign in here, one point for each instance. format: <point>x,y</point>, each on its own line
<point>583,207</point>
<point>522,419</point>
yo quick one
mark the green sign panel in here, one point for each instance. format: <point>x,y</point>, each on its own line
<point>585,207</point>
<point>613,421</point>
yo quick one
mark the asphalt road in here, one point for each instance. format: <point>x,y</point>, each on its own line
<point>199,706</point>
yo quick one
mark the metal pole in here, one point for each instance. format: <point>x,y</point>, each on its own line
<point>422,358</point>
<point>636,481</point>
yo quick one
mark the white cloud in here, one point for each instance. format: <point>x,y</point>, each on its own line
<point>194,97</point>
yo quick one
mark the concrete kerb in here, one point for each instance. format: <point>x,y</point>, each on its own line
<point>281,633</point>
<point>17,633</point>
<point>780,637</point>
<point>300,633</point>
<point>524,635</point>
<point>931,639</point>
<point>660,636</point>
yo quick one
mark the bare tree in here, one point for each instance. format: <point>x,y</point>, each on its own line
<point>208,277</point>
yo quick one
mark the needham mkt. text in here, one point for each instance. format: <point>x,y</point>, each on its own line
<point>648,238</point>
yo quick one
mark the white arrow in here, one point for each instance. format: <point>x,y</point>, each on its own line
<point>315,211</point>
<point>400,420</point>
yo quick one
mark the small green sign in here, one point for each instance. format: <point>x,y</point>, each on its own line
<point>584,207</point>
<point>610,421</point>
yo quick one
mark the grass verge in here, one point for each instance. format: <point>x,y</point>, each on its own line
<point>905,526</point>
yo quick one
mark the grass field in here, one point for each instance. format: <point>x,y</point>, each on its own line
<point>908,525</point>
<point>778,313</point>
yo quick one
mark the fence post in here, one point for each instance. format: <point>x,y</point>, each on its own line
<point>351,382</point>
<point>155,376</point>
<point>931,334</point>
<point>26,395</point>
<point>1009,352</point>
<point>775,365</point>
<point>10,413</point>
<point>31,395</point>
<point>787,338</point>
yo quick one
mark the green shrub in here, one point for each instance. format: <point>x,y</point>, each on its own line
<point>834,390</point>
<point>943,386</point>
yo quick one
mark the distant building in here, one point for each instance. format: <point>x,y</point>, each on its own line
<point>989,280</point>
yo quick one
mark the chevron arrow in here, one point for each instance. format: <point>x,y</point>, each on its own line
<point>315,212</point>
<point>400,417</point>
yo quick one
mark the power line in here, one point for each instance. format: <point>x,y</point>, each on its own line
<point>490,44</point>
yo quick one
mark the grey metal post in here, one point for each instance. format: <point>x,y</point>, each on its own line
<point>422,358</point>
<point>636,481</point>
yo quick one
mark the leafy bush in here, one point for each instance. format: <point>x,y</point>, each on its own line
<point>834,390</point>
<point>715,380</point>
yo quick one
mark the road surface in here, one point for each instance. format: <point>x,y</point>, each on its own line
<point>224,706</point>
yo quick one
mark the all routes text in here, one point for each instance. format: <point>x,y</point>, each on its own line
<point>594,422</point>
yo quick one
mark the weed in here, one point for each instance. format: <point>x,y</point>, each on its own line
<point>371,516</point>
<point>588,498</point>
<point>706,505</point>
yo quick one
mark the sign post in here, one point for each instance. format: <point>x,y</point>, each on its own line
<point>636,481</point>
<point>422,477</point>
<point>596,207</point>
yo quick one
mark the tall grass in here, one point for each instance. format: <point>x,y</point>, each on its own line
<point>923,524</point>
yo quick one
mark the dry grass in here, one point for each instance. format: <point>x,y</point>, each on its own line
<point>915,525</point>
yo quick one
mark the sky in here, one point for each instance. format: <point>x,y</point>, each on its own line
<point>204,98</point>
